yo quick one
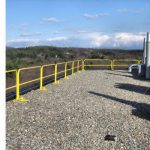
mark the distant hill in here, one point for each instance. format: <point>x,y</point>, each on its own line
<point>38,55</point>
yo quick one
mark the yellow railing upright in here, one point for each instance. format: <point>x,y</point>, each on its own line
<point>66,77</point>
<point>56,72</point>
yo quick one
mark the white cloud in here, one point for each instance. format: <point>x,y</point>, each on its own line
<point>135,11</point>
<point>22,42</point>
<point>56,32</point>
<point>82,31</point>
<point>54,39</point>
<point>117,40</point>
<point>142,33</point>
<point>122,40</point>
<point>24,34</point>
<point>51,20</point>
<point>125,39</point>
<point>123,10</point>
<point>96,16</point>
<point>99,40</point>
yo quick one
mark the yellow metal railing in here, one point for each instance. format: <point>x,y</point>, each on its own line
<point>112,63</point>
<point>97,63</point>
<point>63,68</point>
<point>42,76</point>
<point>124,62</point>
<point>18,84</point>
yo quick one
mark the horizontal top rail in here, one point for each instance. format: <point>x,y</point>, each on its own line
<point>61,63</point>
<point>34,67</point>
<point>48,65</point>
<point>79,60</point>
<point>69,61</point>
<point>126,59</point>
<point>97,59</point>
<point>14,70</point>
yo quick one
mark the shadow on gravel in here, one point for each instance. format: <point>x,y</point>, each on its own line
<point>134,88</point>
<point>122,71</point>
<point>133,75</point>
<point>141,110</point>
<point>119,75</point>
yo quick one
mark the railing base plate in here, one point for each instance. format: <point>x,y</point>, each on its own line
<point>43,89</point>
<point>57,82</point>
<point>21,99</point>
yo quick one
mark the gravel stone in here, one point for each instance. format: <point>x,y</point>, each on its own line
<point>78,113</point>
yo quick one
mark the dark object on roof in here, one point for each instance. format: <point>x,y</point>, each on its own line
<point>110,137</point>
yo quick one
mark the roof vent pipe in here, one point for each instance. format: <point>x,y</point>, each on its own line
<point>148,56</point>
<point>144,53</point>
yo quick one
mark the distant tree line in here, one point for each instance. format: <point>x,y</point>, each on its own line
<point>38,55</point>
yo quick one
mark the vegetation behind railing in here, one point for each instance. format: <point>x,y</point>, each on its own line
<point>38,55</point>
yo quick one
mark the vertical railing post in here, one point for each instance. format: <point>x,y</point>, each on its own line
<point>78,67</point>
<point>56,73</point>
<point>17,86</point>
<point>73,68</point>
<point>18,97</point>
<point>112,64</point>
<point>41,78</point>
<point>83,66</point>
<point>139,61</point>
<point>66,77</point>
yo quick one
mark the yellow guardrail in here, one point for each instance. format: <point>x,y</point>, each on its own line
<point>18,84</point>
<point>42,76</point>
<point>99,63</point>
<point>112,63</point>
<point>77,65</point>
<point>125,63</point>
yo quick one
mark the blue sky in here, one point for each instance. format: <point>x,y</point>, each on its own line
<point>77,23</point>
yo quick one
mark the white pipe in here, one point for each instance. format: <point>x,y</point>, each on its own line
<point>144,53</point>
<point>148,56</point>
<point>131,67</point>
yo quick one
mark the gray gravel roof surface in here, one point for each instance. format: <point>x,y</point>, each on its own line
<point>78,113</point>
